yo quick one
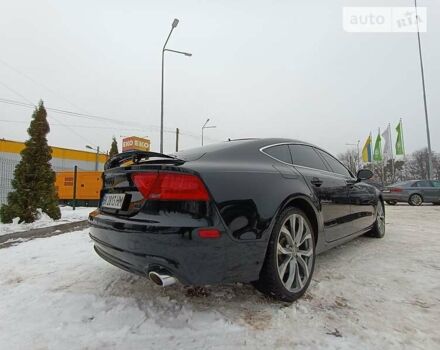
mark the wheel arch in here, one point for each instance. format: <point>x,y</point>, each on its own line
<point>308,207</point>
<point>382,200</point>
<point>417,193</point>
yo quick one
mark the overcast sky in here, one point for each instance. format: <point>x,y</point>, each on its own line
<point>259,69</point>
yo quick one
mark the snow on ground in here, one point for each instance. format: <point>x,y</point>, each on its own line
<point>56,293</point>
<point>67,215</point>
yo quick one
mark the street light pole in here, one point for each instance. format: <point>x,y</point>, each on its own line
<point>428,136</point>
<point>206,127</point>
<point>97,158</point>
<point>358,156</point>
<point>177,139</point>
<point>97,155</point>
<point>173,25</point>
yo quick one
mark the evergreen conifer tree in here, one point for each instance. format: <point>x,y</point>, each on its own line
<point>114,148</point>
<point>34,179</point>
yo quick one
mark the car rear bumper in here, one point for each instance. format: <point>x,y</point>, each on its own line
<point>179,250</point>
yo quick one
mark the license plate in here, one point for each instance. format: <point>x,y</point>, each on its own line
<point>386,191</point>
<point>113,201</point>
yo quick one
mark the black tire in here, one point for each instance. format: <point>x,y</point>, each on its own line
<point>378,230</point>
<point>415,199</point>
<point>391,202</point>
<point>270,282</point>
<point>436,203</point>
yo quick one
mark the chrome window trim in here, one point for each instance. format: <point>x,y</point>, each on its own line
<point>301,166</point>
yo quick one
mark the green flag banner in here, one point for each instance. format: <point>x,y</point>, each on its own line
<point>377,154</point>
<point>400,148</point>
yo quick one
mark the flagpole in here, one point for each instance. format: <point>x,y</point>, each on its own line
<point>424,97</point>
<point>382,163</point>
<point>392,152</point>
<point>403,141</point>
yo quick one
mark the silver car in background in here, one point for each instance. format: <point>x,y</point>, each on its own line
<point>414,192</point>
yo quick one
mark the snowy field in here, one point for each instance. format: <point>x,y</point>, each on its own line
<point>67,215</point>
<point>56,293</point>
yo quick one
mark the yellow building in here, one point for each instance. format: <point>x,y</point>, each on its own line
<point>63,159</point>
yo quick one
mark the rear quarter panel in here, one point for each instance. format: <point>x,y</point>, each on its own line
<point>249,196</point>
<point>248,199</point>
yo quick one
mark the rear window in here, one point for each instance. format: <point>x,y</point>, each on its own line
<point>280,152</point>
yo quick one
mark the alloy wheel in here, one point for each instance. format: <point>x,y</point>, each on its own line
<point>295,252</point>
<point>416,199</point>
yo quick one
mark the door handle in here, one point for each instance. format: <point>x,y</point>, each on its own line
<point>316,181</point>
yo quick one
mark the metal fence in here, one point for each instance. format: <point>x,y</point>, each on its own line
<point>7,167</point>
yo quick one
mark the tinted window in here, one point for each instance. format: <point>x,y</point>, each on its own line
<point>334,164</point>
<point>403,184</point>
<point>306,156</point>
<point>436,183</point>
<point>280,152</point>
<point>424,183</point>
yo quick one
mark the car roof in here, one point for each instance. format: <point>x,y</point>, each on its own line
<point>262,142</point>
<point>230,147</point>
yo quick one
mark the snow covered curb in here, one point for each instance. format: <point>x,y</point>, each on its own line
<point>67,215</point>
<point>9,239</point>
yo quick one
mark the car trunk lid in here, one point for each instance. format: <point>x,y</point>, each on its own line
<point>149,181</point>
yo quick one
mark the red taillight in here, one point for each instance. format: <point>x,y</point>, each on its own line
<point>144,182</point>
<point>209,233</point>
<point>170,186</point>
<point>395,189</point>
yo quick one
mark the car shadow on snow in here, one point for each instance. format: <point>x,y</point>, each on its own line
<point>238,303</point>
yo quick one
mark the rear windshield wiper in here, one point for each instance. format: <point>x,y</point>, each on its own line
<point>138,156</point>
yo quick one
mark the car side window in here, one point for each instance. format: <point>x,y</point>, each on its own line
<point>306,156</point>
<point>423,183</point>
<point>280,152</point>
<point>436,184</point>
<point>334,164</point>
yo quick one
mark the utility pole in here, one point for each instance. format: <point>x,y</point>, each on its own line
<point>424,97</point>
<point>177,139</point>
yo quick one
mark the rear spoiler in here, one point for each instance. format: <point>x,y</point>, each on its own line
<point>137,156</point>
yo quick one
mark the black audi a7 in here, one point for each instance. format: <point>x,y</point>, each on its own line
<point>253,210</point>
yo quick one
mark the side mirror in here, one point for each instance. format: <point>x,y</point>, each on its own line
<point>364,174</point>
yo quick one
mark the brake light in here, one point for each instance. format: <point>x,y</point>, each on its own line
<point>170,186</point>
<point>209,233</point>
<point>395,189</point>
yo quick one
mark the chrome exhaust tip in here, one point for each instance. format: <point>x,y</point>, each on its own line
<point>161,279</point>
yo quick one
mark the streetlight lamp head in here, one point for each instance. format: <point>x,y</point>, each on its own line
<point>188,54</point>
<point>89,147</point>
<point>175,23</point>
